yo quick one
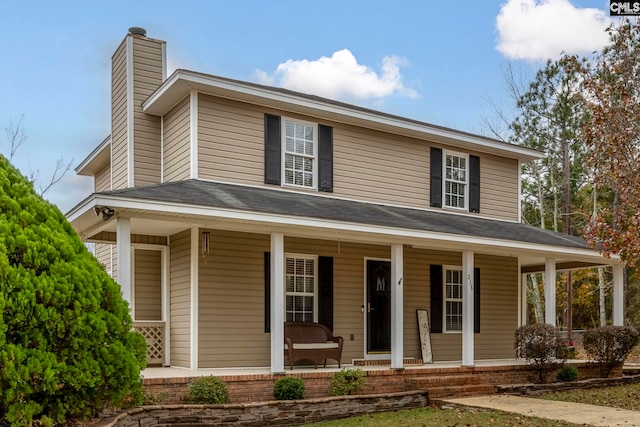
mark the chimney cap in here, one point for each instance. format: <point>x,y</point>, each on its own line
<point>138,31</point>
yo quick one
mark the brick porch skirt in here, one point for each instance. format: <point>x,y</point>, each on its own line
<point>459,381</point>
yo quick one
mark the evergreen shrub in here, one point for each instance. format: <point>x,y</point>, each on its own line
<point>567,374</point>
<point>289,388</point>
<point>67,349</point>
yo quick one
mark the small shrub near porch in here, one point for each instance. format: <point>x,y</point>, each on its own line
<point>543,347</point>
<point>346,382</point>
<point>609,346</point>
<point>207,391</point>
<point>289,388</point>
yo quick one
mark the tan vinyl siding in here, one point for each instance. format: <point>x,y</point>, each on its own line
<point>147,76</point>
<point>180,298</point>
<point>148,284</point>
<point>102,179</point>
<point>380,167</point>
<point>119,154</point>
<point>176,136</point>
<point>106,255</point>
<point>368,165</point>
<point>499,187</point>
<point>230,141</point>
<point>231,307</point>
<point>231,302</point>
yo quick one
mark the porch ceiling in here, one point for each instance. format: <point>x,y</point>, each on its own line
<point>165,209</point>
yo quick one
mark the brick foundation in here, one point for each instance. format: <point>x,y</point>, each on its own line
<point>259,388</point>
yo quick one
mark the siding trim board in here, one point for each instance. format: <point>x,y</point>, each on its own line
<point>130,113</point>
<point>193,138</point>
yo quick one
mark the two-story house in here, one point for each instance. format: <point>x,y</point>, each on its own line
<point>224,208</point>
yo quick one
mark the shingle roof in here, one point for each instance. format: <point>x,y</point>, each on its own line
<point>276,201</point>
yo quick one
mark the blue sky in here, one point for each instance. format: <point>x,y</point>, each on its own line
<point>435,61</point>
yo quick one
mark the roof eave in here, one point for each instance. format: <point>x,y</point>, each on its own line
<point>181,82</point>
<point>99,157</point>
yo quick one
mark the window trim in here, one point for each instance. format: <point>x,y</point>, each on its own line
<point>315,283</point>
<point>283,145</point>
<point>446,153</point>
<point>445,299</point>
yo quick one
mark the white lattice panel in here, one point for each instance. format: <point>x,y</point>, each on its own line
<point>154,335</point>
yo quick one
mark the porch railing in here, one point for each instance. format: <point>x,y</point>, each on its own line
<point>154,333</point>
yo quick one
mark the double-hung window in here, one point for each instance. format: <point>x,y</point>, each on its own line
<point>300,145</point>
<point>452,299</point>
<point>301,286</point>
<point>456,180</point>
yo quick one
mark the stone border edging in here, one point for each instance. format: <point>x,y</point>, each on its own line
<point>280,412</point>
<point>531,389</point>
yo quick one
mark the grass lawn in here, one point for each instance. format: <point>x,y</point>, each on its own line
<point>441,418</point>
<point>623,396</point>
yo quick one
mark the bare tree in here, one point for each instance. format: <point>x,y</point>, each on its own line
<point>16,138</point>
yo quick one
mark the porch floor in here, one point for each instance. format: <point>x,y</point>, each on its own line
<point>176,372</point>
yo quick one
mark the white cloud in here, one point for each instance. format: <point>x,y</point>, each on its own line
<point>340,77</point>
<point>544,29</point>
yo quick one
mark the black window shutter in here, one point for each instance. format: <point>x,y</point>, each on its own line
<point>272,149</point>
<point>436,299</point>
<point>476,300</point>
<point>325,158</point>
<point>436,177</point>
<point>267,292</point>
<point>474,184</point>
<point>325,291</point>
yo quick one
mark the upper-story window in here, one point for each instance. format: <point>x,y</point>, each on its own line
<point>455,180</point>
<point>298,153</point>
<point>299,147</point>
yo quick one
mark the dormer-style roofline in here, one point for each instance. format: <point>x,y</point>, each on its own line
<point>181,82</point>
<point>99,157</point>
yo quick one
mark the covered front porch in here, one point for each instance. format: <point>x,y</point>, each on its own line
<point>439,379</point>
<point>216,291</point>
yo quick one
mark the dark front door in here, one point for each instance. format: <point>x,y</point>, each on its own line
<point>378,307</point>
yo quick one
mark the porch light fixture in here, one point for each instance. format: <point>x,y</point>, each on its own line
<point>106,212</point>
<point>205,243</point>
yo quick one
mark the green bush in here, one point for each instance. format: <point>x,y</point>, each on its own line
<point>207,390</point>
<point>289,388</point>
<point>543,347</point>
<point>567,373</point>
<point>346,382</point>
<point>609,346</point>
<point>67,349</point>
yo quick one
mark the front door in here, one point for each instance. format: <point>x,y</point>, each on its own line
<point>378,306</point>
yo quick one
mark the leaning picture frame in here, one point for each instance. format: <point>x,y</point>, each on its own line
<point>424,333</point>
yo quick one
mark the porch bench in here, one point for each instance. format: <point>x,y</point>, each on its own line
<point>311,341</point>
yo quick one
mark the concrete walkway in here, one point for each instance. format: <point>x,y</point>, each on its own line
<point>577,413</point>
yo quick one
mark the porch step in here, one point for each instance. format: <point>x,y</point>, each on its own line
<point>405,362</point>
<point>449,392</point>
<point>448,386</point>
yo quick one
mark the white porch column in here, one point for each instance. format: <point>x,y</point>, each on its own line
<point>550,291</point>
<point>194,323</point>
<point>277,302</point>
<point>397,310</point>
<point>123,243</point>
<point>467,308</point>
<point>618,295</point>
